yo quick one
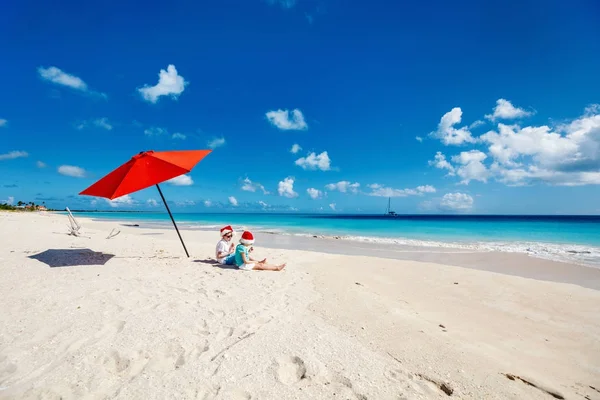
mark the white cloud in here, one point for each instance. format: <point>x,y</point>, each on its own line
<point>59,77</point>
<point>70,170</point>
<point>218,142</point>
<point>344,187</point>
<point>152,203</point>
<point>263,204</point>
<point>102,123</point>
<point>448,134</point>
<point>426,189</point>
<point>180,136</point>
<point>185,203</point>
<point>456,202</point>
<point>505,110</point>
<point>332,206</point>
<point>378,190</point>
<point>3,122</point>
<point>40,164</point>
<point>476,124</point>
<point>467,157</point>
<point>286,188</point>
<point>56,75</point>
<point>568,154</point>
<point>10,201</point>
<point>390,192</point>
<point>181,180</point>
<point>155,131</point>
<point>283,3</point>
<point>250,186</point>
<point>548,148</point>
<point>13,154</point>
<point>295,148</point>
<point>419,139</point>
<point>441,163</point>
<point>169,84</point>
<point>592,110</point>
<point>207,203</point>
<point>472,167</point>
<point>314,162</point>
<point>282,120</point>
<point>314,193</point>
<point>121,201</point>
<point>233,201</point>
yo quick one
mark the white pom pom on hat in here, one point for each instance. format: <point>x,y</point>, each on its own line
<point>247,238</point>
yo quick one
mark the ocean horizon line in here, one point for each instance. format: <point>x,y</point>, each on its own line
<point>397,216</point>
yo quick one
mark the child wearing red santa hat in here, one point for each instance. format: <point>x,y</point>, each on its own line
<point>225,248</point>
<point>247,263</point>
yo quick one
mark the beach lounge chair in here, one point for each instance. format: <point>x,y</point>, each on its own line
<point>74,227</point>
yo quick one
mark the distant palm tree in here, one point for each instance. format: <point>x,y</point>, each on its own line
<point>20,203</point>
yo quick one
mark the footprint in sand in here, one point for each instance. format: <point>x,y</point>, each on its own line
<point>224,333</point>
<point>237,394</point>
<point>217,313</point>
<point>10,369</point>
<point>419,383</point>
<point>115,363</point>
<point>343,386</point>
<point>202,329</point>
<point>290,369</point>
<point>169,358</point>
<point>198,351</point>
<point>397,375</point>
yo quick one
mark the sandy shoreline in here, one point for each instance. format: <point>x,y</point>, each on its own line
<point>517,264</point>
<point>133,318</point>
<point>567,253</point>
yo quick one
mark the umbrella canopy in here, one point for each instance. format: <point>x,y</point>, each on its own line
<point>144,170</point>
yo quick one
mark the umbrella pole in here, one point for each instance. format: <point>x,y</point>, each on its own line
<point>171,215</point>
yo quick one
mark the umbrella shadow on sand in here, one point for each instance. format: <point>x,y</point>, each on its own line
<point>72,257</point>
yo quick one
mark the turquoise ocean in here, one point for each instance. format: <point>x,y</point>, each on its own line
<point>563,238</point>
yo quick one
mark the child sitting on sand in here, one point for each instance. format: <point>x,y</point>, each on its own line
<point>247,263</point>
<point>225,249</point>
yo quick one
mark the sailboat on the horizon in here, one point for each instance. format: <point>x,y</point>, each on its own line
<point>388,211</point>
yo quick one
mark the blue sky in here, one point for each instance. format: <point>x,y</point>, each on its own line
<point>473,107</point>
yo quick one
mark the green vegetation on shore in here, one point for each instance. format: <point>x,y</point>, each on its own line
<point>22,206</point>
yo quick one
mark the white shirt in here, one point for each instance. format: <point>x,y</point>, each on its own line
<point>222,247</point>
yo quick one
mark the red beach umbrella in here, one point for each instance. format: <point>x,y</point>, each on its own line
<point>144,170</point>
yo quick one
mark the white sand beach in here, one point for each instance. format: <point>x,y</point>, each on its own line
<point>132,318</point>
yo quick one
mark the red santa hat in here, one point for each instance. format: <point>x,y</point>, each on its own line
<point>247,238</point>
<point>226,229</point>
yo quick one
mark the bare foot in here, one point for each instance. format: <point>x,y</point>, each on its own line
<point>263,261</point>
<point>280,267</point>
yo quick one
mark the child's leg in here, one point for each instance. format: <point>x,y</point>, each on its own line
<point>267,267</point>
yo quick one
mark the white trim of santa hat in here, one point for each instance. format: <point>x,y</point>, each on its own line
<point>226,229</point>
<point>247,238</point>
